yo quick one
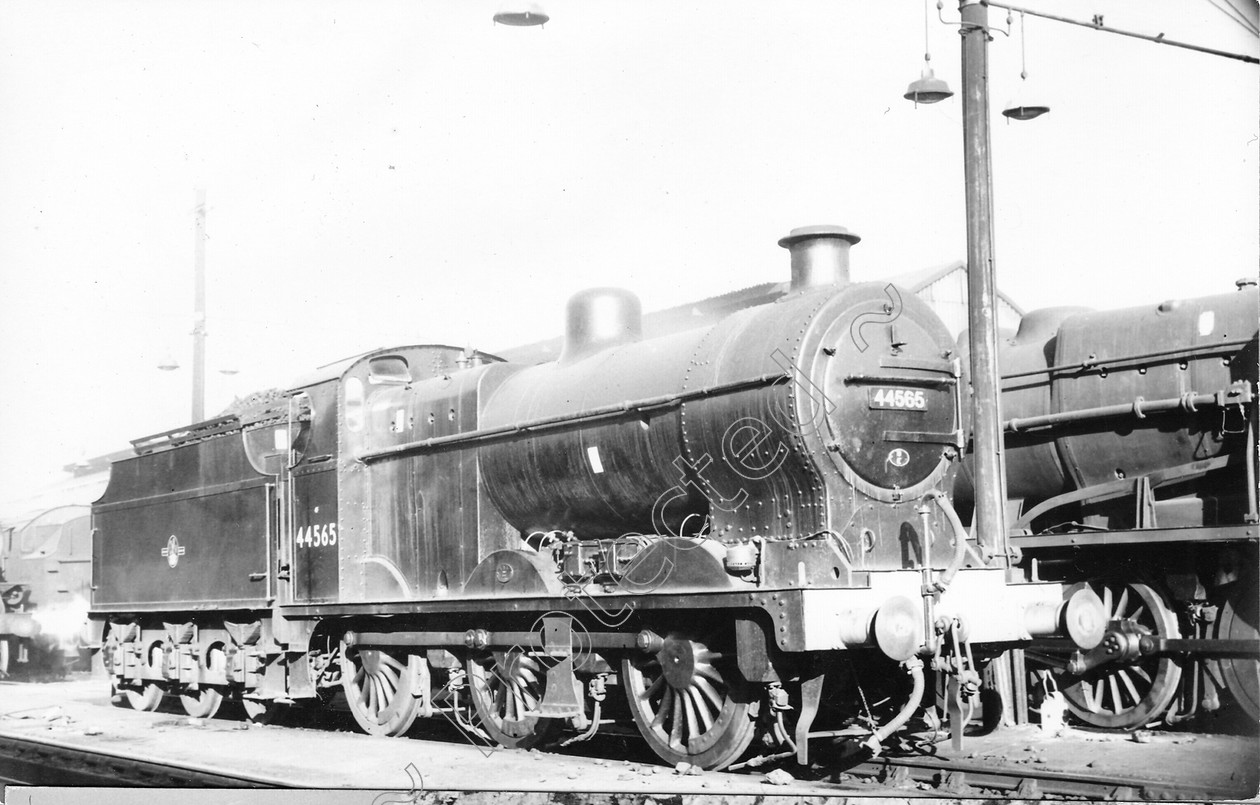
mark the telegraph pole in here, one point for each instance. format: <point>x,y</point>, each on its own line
<point>990,470</point>
<point>199,312</point>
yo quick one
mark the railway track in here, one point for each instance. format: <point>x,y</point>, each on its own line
<point>971,779</point>
<point>101,745</point>
<point>49,762</point>
<point>45,761</point>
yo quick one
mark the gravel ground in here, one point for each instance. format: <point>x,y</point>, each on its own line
<point>78,712</point>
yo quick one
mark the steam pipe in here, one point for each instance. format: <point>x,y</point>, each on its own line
<point>929,589</point>
<point>1139,408</point>
<point>913,667</point>
<point>960,539</point>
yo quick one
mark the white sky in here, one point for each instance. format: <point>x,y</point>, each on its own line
<point>402,172</point>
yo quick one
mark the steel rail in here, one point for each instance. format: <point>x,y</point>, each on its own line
<point>963,777</point>
<point>50,762</point>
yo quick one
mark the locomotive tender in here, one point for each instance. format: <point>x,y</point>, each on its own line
<point>1131,462</point>
<point>714,520</point>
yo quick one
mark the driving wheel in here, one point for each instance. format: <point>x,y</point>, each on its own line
<point>690,703</point>
<point>507,689</point>
<point>379,688</point>
<point>1127,694</point>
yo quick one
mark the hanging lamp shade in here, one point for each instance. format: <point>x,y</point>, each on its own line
<point>522,15</point>
<point>928,88</point>
<point>1025,105</point>
<point>1019,111</point>
<point>1021,108</point>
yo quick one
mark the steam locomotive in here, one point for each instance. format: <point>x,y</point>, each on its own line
<point>1131,463</point>
<point>45,580</point>
<point>743,526</point>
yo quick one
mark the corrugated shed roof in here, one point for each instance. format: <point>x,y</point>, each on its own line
<point>915,281</point>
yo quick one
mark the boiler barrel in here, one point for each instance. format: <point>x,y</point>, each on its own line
<point>600,479</point>
<point>1067,360</point>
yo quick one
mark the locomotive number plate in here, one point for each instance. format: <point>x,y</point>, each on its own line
<point>898,399</point>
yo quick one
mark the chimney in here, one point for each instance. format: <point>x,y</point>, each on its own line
<point>600,318</point>
<point>820,256</point>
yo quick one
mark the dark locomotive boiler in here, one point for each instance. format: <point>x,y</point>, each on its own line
<point>722,522</point>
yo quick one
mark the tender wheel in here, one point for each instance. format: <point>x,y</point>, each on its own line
<point>1128,695</point>
<point>147,696</point>
<point>260,711</point>
<point>379,690</point>
<point>507,688</point>
<point>201,703</point>
<point>1238,621</point>
<point>204,702</point>
<point>690,703</point>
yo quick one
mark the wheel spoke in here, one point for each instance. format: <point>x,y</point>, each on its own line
<point>509,698</point>
<point>519,700</point>
<point>384,693</point>
<point>500,700</point>
<point>1128,683</point>
<point>667,699</point>
<point>390,676</point>
<point>675,729</point>
<point>374,700</point>
<point>1123,602</point>
<point>689,711</point>
<point>652,689</point>
<point>1115,693</point>
<point>1091,703</point>
<point>709,671</point>
<point>702,709</point>
<point>1111,612</point>
<point>706,688</point>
